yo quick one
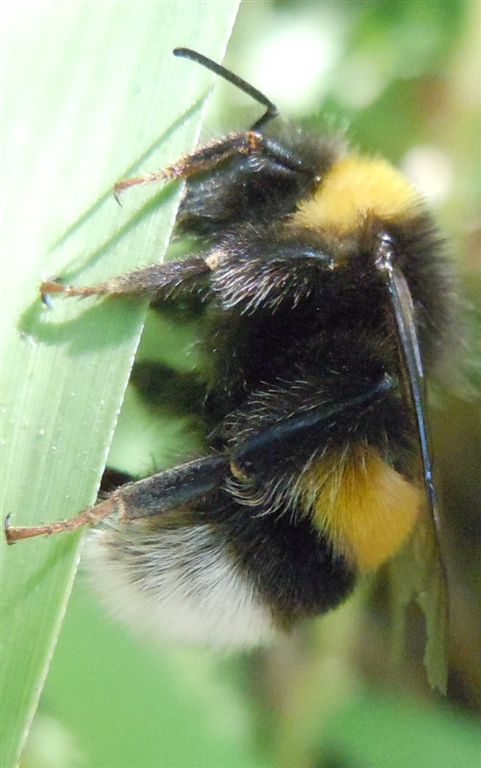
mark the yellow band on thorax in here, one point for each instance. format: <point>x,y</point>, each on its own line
<point>354,188</point>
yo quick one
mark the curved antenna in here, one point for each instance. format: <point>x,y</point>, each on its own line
<point>271,111</point>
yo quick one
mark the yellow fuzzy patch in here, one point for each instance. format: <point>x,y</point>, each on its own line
<point>354,188</point>
<point>365,507</point>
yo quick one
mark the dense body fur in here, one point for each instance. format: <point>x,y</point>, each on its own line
<point>303,393</point>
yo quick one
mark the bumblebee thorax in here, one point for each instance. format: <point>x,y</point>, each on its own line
<point>354,189</point>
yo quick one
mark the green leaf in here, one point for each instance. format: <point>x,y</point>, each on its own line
<point>124,702</point>
<point>377,729</point>
<point>92,93</point>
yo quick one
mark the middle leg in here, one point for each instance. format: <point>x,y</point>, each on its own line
<point>156,282</point>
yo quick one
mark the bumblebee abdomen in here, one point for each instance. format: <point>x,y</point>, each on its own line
<point>298,571</point>
<point>364,506</point>
<point>220,575</point>
<point>180,583</point>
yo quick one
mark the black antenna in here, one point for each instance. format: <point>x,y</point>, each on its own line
<point>271,111</point>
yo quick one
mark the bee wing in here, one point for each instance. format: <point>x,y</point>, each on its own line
<point>417,573</point>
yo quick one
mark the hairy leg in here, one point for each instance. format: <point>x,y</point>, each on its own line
<point>155,282</point>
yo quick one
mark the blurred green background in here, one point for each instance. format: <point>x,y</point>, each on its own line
<point>403,79</point>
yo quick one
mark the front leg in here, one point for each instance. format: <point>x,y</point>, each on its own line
<point>202,160</point>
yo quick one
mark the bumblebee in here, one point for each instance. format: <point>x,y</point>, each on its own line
<point>325,294</point>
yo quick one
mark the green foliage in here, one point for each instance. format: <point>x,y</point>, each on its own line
<point>378,729</point>
<point>107,99</point>
<point>92,93</point>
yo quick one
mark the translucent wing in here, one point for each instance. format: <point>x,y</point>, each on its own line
<point>417,574</point>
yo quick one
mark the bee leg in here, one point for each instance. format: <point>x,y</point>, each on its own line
<point>170,392</point>
<point>155,282</point>
<point>201,160</point>
<point>276,444</point>
<point>150,497</point>
<point>163,280</point>
<point>175,392</point>
<point>89,516</point>
<point>288,277</point>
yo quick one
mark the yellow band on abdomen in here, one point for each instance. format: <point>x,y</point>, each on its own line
<point>366,508</point>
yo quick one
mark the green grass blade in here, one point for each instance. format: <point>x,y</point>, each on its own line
<point>92,92</point>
